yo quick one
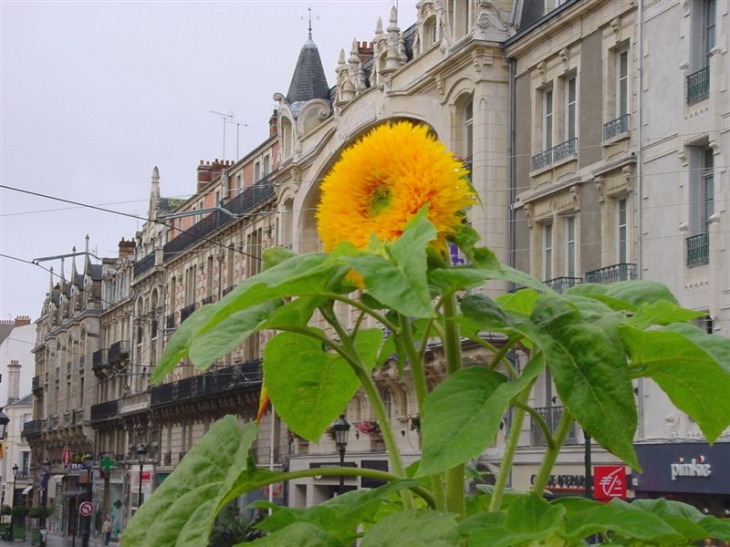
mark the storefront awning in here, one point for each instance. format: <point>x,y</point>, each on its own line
<point>28,489</point>
<point>57,478</point>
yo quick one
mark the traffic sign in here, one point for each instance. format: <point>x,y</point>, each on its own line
<point>66,456</point>
<point>86,509</point>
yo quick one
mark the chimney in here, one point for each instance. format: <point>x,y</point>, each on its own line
<point>13,381</point>
<point>22,321</point>
<point>126,248</point>
<point>274,124</point>
<point>208,171</point>
<point>365,51</point>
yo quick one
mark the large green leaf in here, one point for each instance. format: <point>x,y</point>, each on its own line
<point>414,528</point>
<point>399,280</point>
<point>230,333</point>
<point>299,534</point>
<point>638,292</point>
<point>588,363</point>
<point>462,415</point>
<point>662,312</point>
<point>690,376</point>
<point>301,376</point>
<point>181,511</point>
<point>301,275</point>
<point>619,520</point>
<point>717,346</point>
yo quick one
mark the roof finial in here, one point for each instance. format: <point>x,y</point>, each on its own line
<point>309,9</point>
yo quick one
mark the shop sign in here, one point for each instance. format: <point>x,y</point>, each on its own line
<point>564,482</point>
<point>696,467</point>
<point>610,481</point>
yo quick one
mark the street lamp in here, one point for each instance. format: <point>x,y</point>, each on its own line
<point>44,501</point>
<point>141,454</point>
<point>12,501</point>
<point>342,432</point>
<point>88,462</point>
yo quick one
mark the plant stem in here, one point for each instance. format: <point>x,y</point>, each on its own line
<point>551,454</point>
<point>511,448</point>
<point>417,369</point>
<point>452,350</point>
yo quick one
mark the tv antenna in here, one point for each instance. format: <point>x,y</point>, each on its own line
<point>224,117</point>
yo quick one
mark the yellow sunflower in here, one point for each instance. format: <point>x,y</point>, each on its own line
<point>384,179</point>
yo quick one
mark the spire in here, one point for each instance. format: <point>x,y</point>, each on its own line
<point>50,286</point>
<point>63,274</point>
<point>309,81</point>
<point>74,273</point>
<point>87,264</point>
<point>154,192</point>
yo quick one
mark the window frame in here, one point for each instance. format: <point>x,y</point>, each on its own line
<point>547,117</point>
<point>571,246</point>
<point>548,248</point>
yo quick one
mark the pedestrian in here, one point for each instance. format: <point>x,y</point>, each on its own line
<point>106,530</point>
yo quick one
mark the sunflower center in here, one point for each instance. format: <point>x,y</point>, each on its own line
<point>379,201</point>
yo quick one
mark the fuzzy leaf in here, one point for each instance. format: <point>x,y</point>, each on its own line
<point>414,528</point>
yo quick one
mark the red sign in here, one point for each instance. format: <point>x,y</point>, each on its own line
<point>610,482</point>
<point>66,456</point>
<point>145,475</point>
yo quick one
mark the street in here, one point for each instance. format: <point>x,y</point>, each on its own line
<point>55,540</point>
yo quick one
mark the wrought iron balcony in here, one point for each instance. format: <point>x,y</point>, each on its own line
<point>612,274</point>
<point>99,359</point>
<point>619,126</point>
<point>36,385</point>
<point>698,86</point>
<point>186,312</point>
<point>250,197</point>
<point>243,375</point>
<point>34,427</point>
<point>551,415</point>
<point>105,411</point>
<point>560,152</point>
<point>144,264</point>
<point>698,250</point>
<point>207,300</point>
<point>196,233</point>
<point>228,289</point>
<point>170,321</point>
<point>562,284</point>
<point>119,351</point>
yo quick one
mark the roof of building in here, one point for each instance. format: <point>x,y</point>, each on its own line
<point>309,81</point>
<point>26,400</point>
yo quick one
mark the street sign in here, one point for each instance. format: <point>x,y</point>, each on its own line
<point>610,481</point>
<point>86,509</point>
<point>66,456</point>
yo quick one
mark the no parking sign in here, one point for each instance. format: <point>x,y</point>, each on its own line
<point>86,509</point>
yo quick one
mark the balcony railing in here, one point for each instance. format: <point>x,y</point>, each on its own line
<point>562,151</point>
<point>186,312</point>
<point>36,384</point>
<point>99,359</point>
<point>250,197</point>
<point>207,300</point>
<point>34,427</point>
<point>195,234</point>
<point>243,375</point>
<point>562,284</point>
<point>170,321</point>
<point>612,274</point>
<point>551,415</point>
<point>698,250</point>
<point>619,126</point>
<point>105,411</point>
<point>144,264</point>
<point>119,351</point>
<point>698,86</point>
<point>228,289</point>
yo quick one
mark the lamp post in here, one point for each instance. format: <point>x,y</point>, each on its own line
<point>141,454</point>
<point>88,462</point>
<point>342,432</point>
<point>12,501</point>
<point>44,501</point>
<point>4,421</point>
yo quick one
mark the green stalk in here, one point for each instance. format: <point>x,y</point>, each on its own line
<point>511,447</point>
<point>551,454</point>
<point>418,371</point>
<point>452,350</point>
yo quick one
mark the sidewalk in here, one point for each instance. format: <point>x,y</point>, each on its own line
<point>55,540</point>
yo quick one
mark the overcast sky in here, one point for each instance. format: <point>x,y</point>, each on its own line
<point>95,94</point>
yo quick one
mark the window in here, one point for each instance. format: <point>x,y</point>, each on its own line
<point>547,119</point>
<point>571,104</point>
<point>239,183</point>
<point>622,82</point>
<point>703,31</point>
<point>190,274</point>
<point>708,188</point>
<point>267,165</point>
<point>209,277</point>
<point>230,257</point>
<point>469,129</point>
<point>547,252</point>
<point>570,247</point>
<point>257,171</point>
<point>622,239</point>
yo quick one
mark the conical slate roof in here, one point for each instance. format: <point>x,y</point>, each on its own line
<point>309,81</point>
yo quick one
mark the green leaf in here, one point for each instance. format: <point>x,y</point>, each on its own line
<point>620,520</point>
<point>484,311</point>
<point>414,528</point>
<point>450,280</point>
<point>521,302</point>
<point>301,275</point>
<point>638,292</point>
<point>299,534</point>
<point>716,528</point>
<point>588,362</point>
<point>680,516</point>
<point>466,239</point>
<point>691,377</point>
<point>273,256</point>
<point>296,313</point>
<point>662,312</point>
<point>183,508</point>
<point>717,346</point>
<point>456,432</point>
<point>400,282</point>
<point>302,376</point>
<point>229,334</point>
<point>368,343</point>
